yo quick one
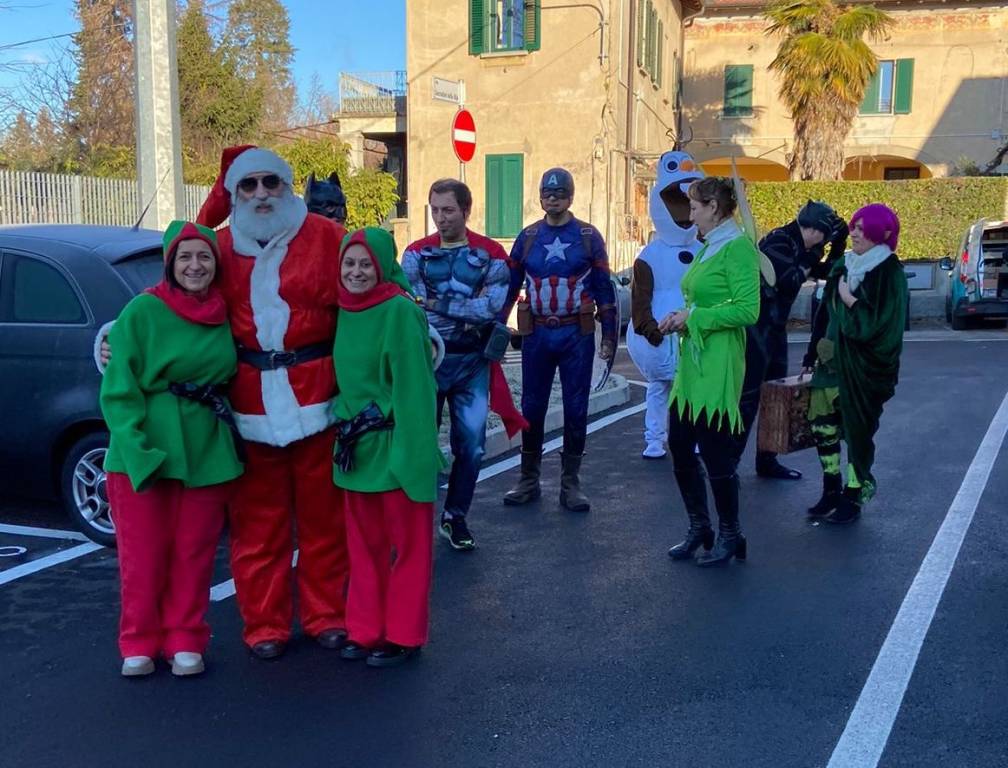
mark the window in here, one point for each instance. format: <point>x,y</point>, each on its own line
<point>39,293</point>
<point>738,89</point>
<point>504,195</point>
<point>503,25</point>
<point>895,174</point>
<point>890,90</point>
<point>143,270</point>
<point>650,41</point>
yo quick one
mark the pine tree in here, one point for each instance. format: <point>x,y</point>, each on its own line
<point>18,146</point>
<point>257,43</point>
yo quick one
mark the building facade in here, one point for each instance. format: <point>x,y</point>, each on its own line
<point>592,87</point>
<point>937,105</point>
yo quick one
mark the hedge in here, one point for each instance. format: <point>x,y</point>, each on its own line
<point>934,213</point>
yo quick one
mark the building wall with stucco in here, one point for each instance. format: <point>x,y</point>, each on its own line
<point>564,104</point>
<point>959,107</point>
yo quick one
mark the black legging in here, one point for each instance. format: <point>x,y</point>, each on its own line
<point>717,446</point>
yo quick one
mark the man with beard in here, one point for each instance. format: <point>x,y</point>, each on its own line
<point>280,278</point>
<point>461,278</point>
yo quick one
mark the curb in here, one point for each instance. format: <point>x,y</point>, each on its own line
<point>497,441</point>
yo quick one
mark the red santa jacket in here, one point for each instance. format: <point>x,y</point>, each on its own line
<point>283,297</point>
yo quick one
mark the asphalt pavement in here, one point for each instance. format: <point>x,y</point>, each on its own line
<point>572,640</point>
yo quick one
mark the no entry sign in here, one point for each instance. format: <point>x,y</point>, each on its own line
<point>464,135</point>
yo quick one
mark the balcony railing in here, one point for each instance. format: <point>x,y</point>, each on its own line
<point>373,93</point>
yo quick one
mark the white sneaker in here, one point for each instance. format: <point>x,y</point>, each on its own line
<point>186,663</point>
<point>137,666</point>
<point>654,451</point>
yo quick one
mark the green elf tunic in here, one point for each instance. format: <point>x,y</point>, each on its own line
<point>384,353</point>
<point>859,357</point>
<point>721,290</point>
<point>156,435</point>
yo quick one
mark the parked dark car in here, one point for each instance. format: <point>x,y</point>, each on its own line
<point>58,285</point>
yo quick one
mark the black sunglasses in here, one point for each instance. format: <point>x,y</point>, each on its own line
<point>558,193</point>
<point>251,183</point>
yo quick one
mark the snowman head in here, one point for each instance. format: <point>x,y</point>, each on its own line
<point>669,204</point>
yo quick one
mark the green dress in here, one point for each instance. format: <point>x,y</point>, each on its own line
<point>156,435</point>
<point>860,355</point>
<point>384,355</point>
<point>722,293</point>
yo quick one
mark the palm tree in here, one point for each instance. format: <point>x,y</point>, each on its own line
<point>824,65</point>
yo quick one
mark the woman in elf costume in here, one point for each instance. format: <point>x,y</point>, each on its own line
<point>172,453</point>
<point>721,291</point>
<point>386,454</point>
<point>856,343</point>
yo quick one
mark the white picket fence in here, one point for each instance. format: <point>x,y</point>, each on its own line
<point>50,198</point>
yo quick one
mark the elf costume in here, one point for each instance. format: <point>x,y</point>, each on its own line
<point>171,457</point>
<point>282,298</point>
<point>387,457</point>
<point>721,291</point>
<point>858,357</point>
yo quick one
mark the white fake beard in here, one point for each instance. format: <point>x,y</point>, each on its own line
<point>263,227</point>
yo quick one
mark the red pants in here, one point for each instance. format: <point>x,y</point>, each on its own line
<point>389,600</point>
<point>166,537</point>
<point>288,492</point>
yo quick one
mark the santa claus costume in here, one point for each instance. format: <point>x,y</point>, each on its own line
<point>655,291</point>
<point>280,279</point>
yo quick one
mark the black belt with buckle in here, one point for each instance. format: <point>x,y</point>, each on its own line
<point>272,359</point>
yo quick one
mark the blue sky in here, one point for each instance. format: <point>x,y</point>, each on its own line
<point>346,36</point>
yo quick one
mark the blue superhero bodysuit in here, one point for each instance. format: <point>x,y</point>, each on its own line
<point>564,271</point>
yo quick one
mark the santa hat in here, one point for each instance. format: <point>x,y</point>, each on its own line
<point>237,163</point>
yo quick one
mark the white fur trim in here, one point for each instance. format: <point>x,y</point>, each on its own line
<point>256,160</point>
<point>102,333</point>
<point>305,421</point>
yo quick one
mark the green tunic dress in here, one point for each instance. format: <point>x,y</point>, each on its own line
<point>156,435</point>
<point>860,356</point>
<point>384,355</point>
<point>721,291</point>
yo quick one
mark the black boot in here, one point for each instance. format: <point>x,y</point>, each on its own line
<point>848,509</point>
<point>831,487</point>
<point>571,496</point>
<point>693,489</point>
<point>730,541</point>
<point>527,488</point>
<point>768,466</point>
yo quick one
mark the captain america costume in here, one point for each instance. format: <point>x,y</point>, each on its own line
<point>565,273</point>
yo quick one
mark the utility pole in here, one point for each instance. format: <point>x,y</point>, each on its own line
<point>159,146</point>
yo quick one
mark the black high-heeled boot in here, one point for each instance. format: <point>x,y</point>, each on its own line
<point>693,489</point>
<point>730,541</point>
<point>832,485</point>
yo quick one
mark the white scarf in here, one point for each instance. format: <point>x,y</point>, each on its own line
<point>722,234</point>
<point>860,264</point>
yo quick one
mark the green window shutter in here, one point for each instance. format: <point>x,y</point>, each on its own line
<point>738,88</point>
<point>870,105</point>
<point>477,27</point>
<point>657,74</point>
<point>640,32</point>
<point>903,98</point>
<point>533,25</point>
<point>504,194</point>
<point>649,58</point>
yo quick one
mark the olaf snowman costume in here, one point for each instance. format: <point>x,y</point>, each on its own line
<point>655,290</point>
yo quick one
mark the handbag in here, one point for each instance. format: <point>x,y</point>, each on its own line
<point>784,425</point>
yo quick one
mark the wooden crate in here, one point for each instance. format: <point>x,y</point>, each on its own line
<point>783,416</point>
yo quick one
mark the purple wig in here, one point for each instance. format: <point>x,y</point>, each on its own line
<point>876,220</point>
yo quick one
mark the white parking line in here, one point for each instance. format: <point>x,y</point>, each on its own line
<point>47,562</point>
<point>42,533</point>
<point>864,739</point>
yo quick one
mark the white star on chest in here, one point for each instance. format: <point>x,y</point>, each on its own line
<point>555,250</point>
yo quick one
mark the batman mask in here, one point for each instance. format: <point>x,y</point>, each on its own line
<point>326,197</point>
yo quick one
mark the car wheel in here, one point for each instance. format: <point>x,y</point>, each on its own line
<point>959,323</point>
<point>83,488</point>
